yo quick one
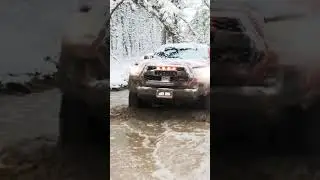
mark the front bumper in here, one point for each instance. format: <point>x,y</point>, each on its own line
<point>177,94</point>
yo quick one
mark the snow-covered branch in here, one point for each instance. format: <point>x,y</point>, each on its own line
<point>140,26</point>
<point>167,13</point>
<point>114,4</point>
<point>194,33</point>
<point>206,3</point>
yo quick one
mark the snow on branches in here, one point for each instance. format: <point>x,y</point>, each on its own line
<point>137,26</point>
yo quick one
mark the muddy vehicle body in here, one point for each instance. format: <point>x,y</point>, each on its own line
<point>83,76</point>
<point>247,76</point>
<point>175,73</point>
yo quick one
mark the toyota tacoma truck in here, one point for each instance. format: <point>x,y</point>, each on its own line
<point>175,73</point>
<point>83,76</point>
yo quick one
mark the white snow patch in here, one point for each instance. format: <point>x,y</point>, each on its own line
<point>189,13</point>
<point>119,72</point>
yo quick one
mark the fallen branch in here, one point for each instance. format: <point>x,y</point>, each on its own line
<point>191,29</point>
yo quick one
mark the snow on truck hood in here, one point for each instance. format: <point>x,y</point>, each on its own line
<point>192,63</point>
<point>195,63</point>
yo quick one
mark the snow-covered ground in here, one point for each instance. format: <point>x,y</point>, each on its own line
<point>119,72</point>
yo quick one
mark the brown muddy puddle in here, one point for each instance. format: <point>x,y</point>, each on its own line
<point>163,143</point>
<point>159,143</point>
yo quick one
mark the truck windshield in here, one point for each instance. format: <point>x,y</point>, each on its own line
<point>181,53</point>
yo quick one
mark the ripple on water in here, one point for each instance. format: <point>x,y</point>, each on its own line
<point>148,144</point>
<point>182,155</point>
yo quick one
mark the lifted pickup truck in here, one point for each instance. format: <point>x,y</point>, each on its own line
<point>175,73</point>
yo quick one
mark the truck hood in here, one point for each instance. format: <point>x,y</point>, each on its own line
<point>199,67</point>
<point>192,63</point>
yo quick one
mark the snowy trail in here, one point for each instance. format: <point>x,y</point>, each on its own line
<point>157,143</point>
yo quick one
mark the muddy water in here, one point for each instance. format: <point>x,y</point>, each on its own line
<point>158,143</point>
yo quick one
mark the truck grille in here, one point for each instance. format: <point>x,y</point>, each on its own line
<point>150,77</point>
<point>176,77</point>
<point>157,75</point>
<point>165,73</point>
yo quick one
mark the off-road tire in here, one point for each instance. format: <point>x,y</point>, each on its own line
<point>136,102</point>
<point>79,123</point>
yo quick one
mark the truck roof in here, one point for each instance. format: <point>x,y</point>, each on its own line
<point>183,45</point>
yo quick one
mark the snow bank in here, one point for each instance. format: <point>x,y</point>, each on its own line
<point>119,72</point>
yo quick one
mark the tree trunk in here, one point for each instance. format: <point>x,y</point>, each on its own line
<point>164,36</point>
<point>123,38</point>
